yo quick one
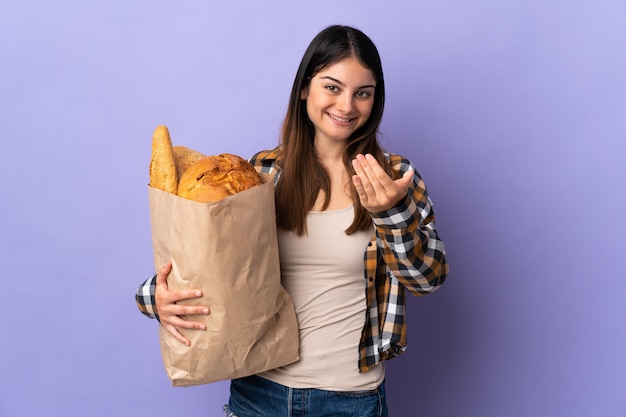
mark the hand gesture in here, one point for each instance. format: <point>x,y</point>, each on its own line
<point>377,191</point>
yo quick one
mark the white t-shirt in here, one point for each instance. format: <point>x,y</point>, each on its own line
<point>323,273</point>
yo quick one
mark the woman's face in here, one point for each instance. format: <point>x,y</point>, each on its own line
<point>339,99</point>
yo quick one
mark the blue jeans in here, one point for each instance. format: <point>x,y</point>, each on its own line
<point>254,396</point>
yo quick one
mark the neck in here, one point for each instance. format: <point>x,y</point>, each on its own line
<point>329,153</point>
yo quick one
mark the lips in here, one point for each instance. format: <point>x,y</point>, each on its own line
<point>340,120</point>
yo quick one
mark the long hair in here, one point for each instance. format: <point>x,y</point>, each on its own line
<point>302,176</point>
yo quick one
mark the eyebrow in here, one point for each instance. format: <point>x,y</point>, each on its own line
<point>326,77</point>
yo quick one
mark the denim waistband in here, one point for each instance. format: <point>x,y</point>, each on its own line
<point>255,396</point>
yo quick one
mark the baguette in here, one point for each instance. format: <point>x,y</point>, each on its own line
<point>162,164</point>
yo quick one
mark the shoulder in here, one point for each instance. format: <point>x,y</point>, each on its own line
<point>267,161</point>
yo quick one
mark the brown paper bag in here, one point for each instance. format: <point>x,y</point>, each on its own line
<point>229,250</point>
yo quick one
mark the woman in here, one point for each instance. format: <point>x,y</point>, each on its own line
<point>337,192</point>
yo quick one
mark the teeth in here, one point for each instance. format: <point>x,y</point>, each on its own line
<point>339,119</point>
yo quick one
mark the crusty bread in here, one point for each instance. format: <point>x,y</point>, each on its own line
<point>214,178</point>
<point>162,166</point>
<point>184,158</point>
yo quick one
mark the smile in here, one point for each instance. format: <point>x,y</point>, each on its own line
<point>339,119</point>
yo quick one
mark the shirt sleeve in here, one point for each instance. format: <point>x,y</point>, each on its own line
<point>410,245</point>
<point>266,162</point>
<point>145,298</point>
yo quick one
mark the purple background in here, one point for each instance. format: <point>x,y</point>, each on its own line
<point>513,111</point>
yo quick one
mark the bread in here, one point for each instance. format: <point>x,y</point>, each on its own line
<point>214,178</point>
<point>184,158</point>
<point>192,175</point>
<point>162,165</point>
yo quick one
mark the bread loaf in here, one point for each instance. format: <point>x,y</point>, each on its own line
<point>184,158</point>
<point>162,165</point>
<point>214,178</point>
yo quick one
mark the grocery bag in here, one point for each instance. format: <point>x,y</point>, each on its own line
<point>229,250</point>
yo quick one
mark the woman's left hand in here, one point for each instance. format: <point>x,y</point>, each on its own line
<point>377,191</point>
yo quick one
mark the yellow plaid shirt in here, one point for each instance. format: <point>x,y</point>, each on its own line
<point>405,253</point>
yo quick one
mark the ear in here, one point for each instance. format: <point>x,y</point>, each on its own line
<point>304,93</point>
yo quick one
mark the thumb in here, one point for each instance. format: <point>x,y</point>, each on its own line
<point>405,180</point>
<point>161,278</point>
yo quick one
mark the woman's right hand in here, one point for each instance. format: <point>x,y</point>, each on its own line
<point>172,315</point>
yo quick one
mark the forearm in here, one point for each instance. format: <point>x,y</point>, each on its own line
<point>410,245</point>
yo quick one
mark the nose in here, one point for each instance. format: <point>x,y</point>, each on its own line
<point>345,103</point>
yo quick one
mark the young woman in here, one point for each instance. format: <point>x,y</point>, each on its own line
<point>356,228</point>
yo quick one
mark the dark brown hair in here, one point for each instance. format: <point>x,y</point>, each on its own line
<point>302,176</point>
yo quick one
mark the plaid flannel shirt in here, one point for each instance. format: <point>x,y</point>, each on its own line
<point>405,253</point>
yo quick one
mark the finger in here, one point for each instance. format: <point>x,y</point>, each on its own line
<point>177,335</point>
<point>169,309</point>
<point>368,166</point>
<point>163,273</point>
<point>360,191</point>
<point>172,296</point>
<point>373,164</point>
<point>363,180</point>
<point>375,171</point>
<point>182,323</point>
<point>356,163</point>
<point>181,295</point>
<point>184,310</point>
<point>377,181</point>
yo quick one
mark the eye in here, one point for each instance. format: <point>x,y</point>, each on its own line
<point>332,88</point>
<point>363,94</point>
